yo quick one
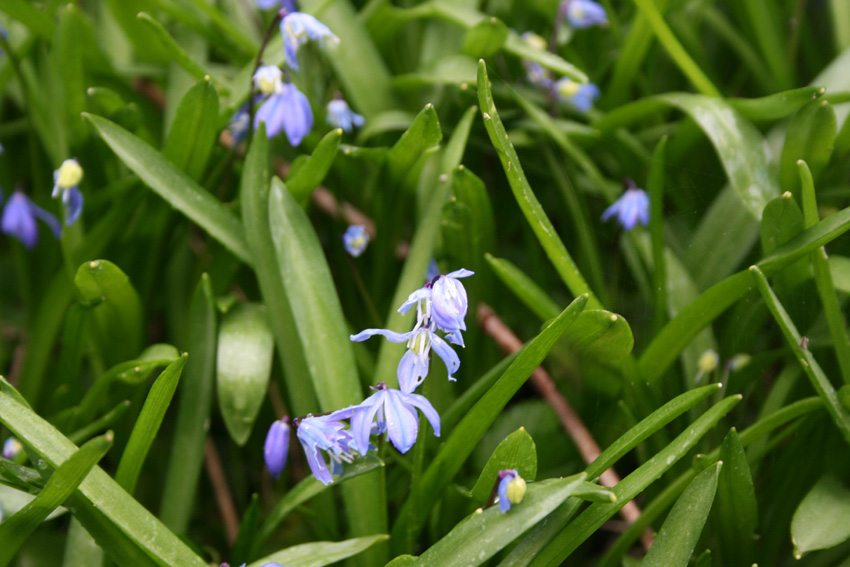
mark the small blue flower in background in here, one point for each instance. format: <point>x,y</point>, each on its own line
<point>267,79</point>
<point>65,181</point>
<point>340,115</point>
<point>276,448</point>
<point>433,271</point>
<point>534,72</point>
<point>355,239</point>
<point>297,28</point>
<point>630,209</point>
<point>449,304</point>
<point>287,110</point>
<point>396,416</point>
<point>239,122</point>
<point>512,489</point>
<point>579,95</point>
<point>326,433</point>
<point>2,149</point>
<point>19,219</point>
<point>585,13</point>
<point>11,448</point>
<point>287,5</point>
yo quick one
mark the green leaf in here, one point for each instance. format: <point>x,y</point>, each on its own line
<point>485,38</point>
<point>737,509</point>
<point>307,177</point>
<point>524,288</point>
<point>466,435</point>
<point>451,69</point>
<point>775,106</point>
<point>481,535</point>
<point>678,537</point>
<point>594,493</point>
<point>177,188</point>
<point>528,203</point>
<point>68,54</point>
<point>422,135</point>
<point>33,18</point>
<point>194,130</point>
<point>516,451</point>
<point>62,483</point>
<point>304,491</point>
<point>243,368</point>
<point>811,138</point>
<point>840,268</point>
<point>320,553</point>
<point>782,221</point>
<point>254,197</point>
<point>122,526</point>
<point>569,538</point>
<point>820,521</point>
<point>147,425</point>
<point>600,335</point>
<point>247,528</point>
<point>193,412</point>
<point>118,310</point>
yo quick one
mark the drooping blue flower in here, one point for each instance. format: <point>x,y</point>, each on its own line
<point>511,489</point>
<point>630,209</point>
<point>449,304</point>
<point>267,79</point>
<point>297,28</point>
<point>65,182</point>
<point>340,115</point>
<point>355,239</point>
<point>394,411</point>
<point>19,219</point>
<point>579,95</point>
<point>329,434</point>
<point>11,448</point>
<point>413,367</point>
<point>276,448</point>
<point>287,110</point>
<point>585,13</point>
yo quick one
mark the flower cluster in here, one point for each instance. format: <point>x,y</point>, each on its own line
<point>441,306</point>
<point>283,107</point>
<point>580,14</point>
<point>20,215</point>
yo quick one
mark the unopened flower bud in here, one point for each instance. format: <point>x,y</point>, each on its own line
<point>276,448</point>
<point>512,489</point>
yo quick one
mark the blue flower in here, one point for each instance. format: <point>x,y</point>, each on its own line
<point>297,28</point>
<point>65,181</point>
<point>11,448</point>
<point>276,448</point>
<point>340,115</point>
<point>511,489</point>
<point>267,79</point>
<point>579,95</point>
<point>287,5</point>
<point>287,110</point>
<point>395,412</point>
<point>534,72</point>
<point>19,219</point>
<point>413,367</point>
<point>585,14</point>
<point>326,433</point>
<point>449,304</point>
<point>355,239</point>
<point>632,207</point>
<point>433,271</point>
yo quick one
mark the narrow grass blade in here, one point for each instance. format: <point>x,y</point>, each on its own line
<point>194,130</point>
<point>302,181</point>
<point>737,508</point>
<point>320,553</point>
<point>147,425</point>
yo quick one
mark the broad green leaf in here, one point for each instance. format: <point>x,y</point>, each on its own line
<point>193,412</point>
<point>527,201</point>
<point>122,526</point>
<point>475,423</point>
<point>177,188</point>
<point>194,130</point>
<point>68,54</point>
<point>62,483</point>
<point>29,15</point>
<point>318,317</point>
<point>516,451</point>
<point>782,221</point>
<point>775,106</point>
<point>810,137</point>
<point>118,310</point>
<point>485,38</point>
<point>737,509</point>
<point>600,335</point>
<point>304,491</point>
<point>320,553</point>
<point>820,521</point>
<point>147,425</point>
<point>569,538</point>
<point>422,135</point>
<point>14,499</point>
<point>243,367</point>
<point>820,382</point>
<point>481,535</point>
<point>840,268</point>
<point>307,177</point>
<point>680,532</point>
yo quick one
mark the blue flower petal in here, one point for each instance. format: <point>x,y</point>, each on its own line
<point>412,370</point>
<point>504,503</point>
<point>391,336</point>
<point>447,354</point>
<point>414,298</point>
<point>73,201</point>
<point>402,421</point>
<point>427,409</point>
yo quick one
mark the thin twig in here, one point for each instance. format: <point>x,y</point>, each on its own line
<point>223,497</point>
<point>575,428</point>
